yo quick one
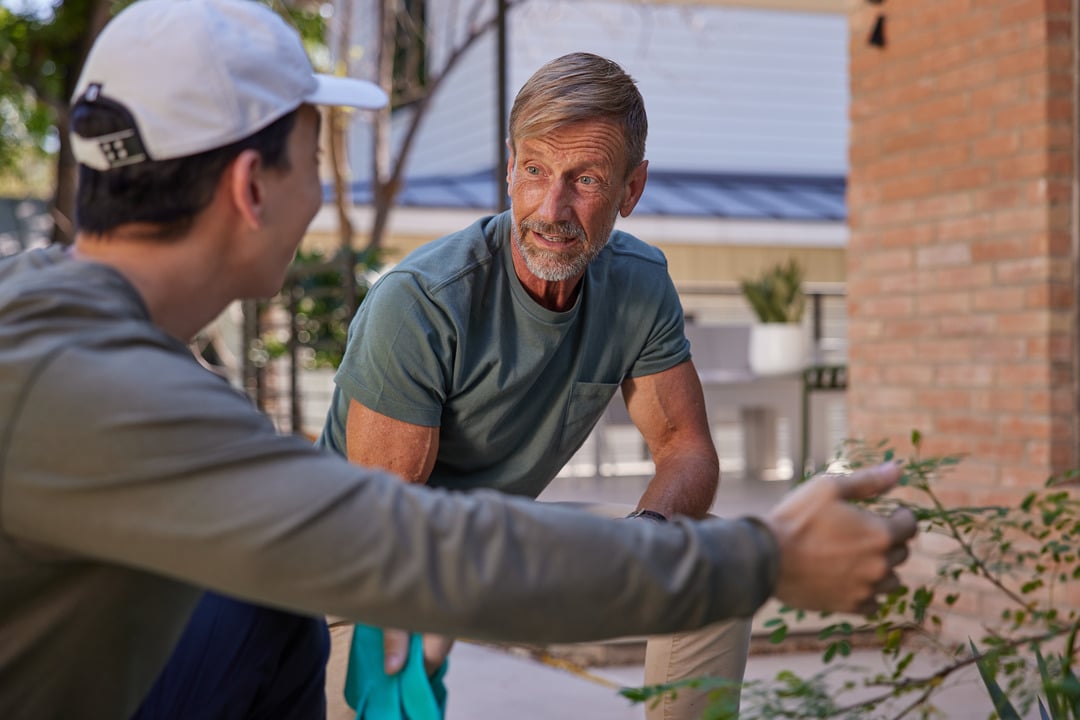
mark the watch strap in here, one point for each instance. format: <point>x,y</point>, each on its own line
<point>649,515</point>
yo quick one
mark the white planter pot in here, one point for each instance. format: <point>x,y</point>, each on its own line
<point>777,348</point>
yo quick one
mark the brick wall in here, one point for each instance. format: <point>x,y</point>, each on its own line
<point>961,262</point>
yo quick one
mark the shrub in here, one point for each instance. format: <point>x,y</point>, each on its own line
<point>1023,555</point>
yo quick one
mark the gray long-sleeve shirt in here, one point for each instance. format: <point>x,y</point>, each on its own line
<point>131,478</point>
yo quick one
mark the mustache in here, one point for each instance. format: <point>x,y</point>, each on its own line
<point>566,229</point>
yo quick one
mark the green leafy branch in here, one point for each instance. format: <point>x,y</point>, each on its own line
<point>1020,555</point>
<point>318,306</point>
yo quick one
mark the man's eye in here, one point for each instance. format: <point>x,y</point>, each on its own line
<point>532,170</point>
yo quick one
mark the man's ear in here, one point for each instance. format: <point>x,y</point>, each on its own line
<point>243,183</point>
<point>509,162</point>
<point>635,185</point>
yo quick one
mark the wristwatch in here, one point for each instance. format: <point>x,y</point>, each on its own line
<point>648,514</point>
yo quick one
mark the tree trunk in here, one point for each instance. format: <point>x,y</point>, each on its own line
<point>66,168</point>
<point>382,186</point>
<point>63,209</point>
<point>387,173</point>
<point>338,127</point>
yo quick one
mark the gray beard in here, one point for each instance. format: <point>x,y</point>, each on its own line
<point>550,266</point>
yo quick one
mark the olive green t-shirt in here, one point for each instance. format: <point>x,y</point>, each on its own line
<point>450,339</point>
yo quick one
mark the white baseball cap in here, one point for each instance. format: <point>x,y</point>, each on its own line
<point>198,75</point>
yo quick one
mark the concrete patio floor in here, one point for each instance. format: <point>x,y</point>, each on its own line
<point>490,683</point>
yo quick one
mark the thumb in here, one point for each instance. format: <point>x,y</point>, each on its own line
<point>866,483</point>
<point>395,650</point>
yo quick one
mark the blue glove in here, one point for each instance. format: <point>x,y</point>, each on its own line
<point>409,695</point>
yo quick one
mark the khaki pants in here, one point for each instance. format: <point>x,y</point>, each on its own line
<point>718,651</point>
<point>714,651</point>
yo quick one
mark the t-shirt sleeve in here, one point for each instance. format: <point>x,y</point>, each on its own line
<point>666,345</point>
<point>399,353</point>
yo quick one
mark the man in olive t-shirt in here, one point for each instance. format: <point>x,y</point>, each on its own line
<point>484,358</point>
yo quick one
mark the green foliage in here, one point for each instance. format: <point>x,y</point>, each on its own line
<point>38,53</point>
<point>776,295</point>
<point>721,706</point>
<point>307,20</point>
<point>988,672</point>
<point>1021,556</point>
<point>41,53</point>
<point>316,298</point>
<point>1058,682</point>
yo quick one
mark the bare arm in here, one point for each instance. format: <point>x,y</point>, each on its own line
<point>668,409</point>
<point>375,440</point>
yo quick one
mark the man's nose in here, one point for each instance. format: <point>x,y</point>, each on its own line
<point>555,204</point>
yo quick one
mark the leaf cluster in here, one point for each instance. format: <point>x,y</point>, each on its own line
<point>776,295</point>
<point>39,52</point>
<point>317,302</point>
<point>1059,683</point>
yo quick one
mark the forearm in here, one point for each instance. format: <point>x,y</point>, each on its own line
<point>491,567</point>
<point>669,409</point>
<point>684,484</point>
<point>321,536</point>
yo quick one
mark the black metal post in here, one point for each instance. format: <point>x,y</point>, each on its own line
<point>502,100</point>
<point>296,418</point>
<point>816,304</point>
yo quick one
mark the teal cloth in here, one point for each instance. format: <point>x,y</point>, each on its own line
<point>409,695</point>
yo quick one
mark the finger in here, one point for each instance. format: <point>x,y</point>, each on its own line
<point>436,648</point>
<point>902,525</point>
<point>395,650</point>
<point>867,608</point>
<point>889,583</point>
<point>866,483</point>
<point>896,555</point>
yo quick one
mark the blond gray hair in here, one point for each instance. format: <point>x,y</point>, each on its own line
<point>578,87</point>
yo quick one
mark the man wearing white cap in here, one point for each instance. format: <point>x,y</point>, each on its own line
<point>132,479</point>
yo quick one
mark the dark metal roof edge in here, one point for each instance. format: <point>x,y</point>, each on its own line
<point>671,175</point>
<point>791,186</point>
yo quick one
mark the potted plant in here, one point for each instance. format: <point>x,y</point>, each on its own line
<point>777,340</point>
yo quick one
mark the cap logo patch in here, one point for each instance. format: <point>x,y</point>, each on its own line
<point>121,148</point>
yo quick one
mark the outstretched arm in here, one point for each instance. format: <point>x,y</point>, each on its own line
<point>184,480</point>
